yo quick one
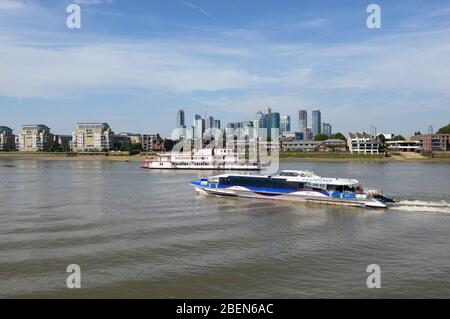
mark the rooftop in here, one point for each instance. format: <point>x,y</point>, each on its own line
<point>93,125</point>
<point>37,126</point>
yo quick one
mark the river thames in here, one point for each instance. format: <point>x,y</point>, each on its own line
<point>146,234</point>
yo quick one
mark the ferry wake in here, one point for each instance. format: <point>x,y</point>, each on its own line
<point>293,185</point>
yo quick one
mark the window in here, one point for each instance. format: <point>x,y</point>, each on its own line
<point>342,188</point>
<point>338,188</point>
<point>288,174</point>
<point>248,181</point>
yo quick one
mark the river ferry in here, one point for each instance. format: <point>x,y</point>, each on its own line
<point>204,159</point>
<point>293,185</point>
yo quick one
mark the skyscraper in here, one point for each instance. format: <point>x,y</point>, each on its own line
<point>209,122</point>
<point>260,124</point>
<point>285,124</point>
<point>196,118</point>
<point>274,123</point>
<point>302,120</point>
<point>217,124</point>
<point>326,129</point>
<point>180,118</point>
<point>199,126</point>
<point>316,122</point>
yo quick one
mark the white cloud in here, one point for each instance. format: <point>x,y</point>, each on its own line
<point>248,105</point>
<point>418,63</point>
<point>11,5</point>
<point>438,13</point>
<point>404,62</point>
<point>337,77</point>
<point>44,72</point>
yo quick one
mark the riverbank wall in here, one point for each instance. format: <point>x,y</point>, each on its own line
<point>283,157</point>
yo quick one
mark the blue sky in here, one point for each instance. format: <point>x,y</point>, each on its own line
<point>133,63</point>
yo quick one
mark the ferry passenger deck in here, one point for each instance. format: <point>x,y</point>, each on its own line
<point>302,186</point>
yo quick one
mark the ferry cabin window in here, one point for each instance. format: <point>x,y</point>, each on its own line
<point>294,174</point>
<point>341,188</point>
<point>260,182</point>
<point>337,188</point>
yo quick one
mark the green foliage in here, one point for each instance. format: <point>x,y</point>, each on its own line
<point>417,133</point>
<point>118,146</point>
<point>329,155</point>
<point>136,146</point>
<point>338,136</point>
<point>320,137</point>
<point>398,138</point>
<point>444,129</point>
<point>381,139</point>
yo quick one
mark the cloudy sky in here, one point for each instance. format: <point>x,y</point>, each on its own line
<point>133,63</point>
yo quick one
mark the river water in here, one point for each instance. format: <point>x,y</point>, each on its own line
<point>146,234</point>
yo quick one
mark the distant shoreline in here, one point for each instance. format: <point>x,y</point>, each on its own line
<point>290,157</point>
<point>366,160</point>
<point>347,157</point>
<point>60,156</point>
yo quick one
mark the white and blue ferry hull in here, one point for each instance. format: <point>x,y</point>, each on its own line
<point>306,196</point>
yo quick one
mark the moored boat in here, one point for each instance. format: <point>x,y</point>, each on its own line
<point>205,159</point>
<point>293,185</point>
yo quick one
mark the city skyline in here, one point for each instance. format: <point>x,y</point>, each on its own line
<point>284,124</point>
<point>136,73</point>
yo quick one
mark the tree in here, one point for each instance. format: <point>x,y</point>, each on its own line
<point>381,139</point>
<point>444,129</point>
<point>417,133</point>
<point>398,138</point>
<point>116,145</point>
<point>320,137</point>
<point>136,146</point>
<point>338,136</point>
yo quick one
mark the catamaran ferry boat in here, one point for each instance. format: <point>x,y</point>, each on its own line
<point>205,159</point>
<point>292,185</point>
